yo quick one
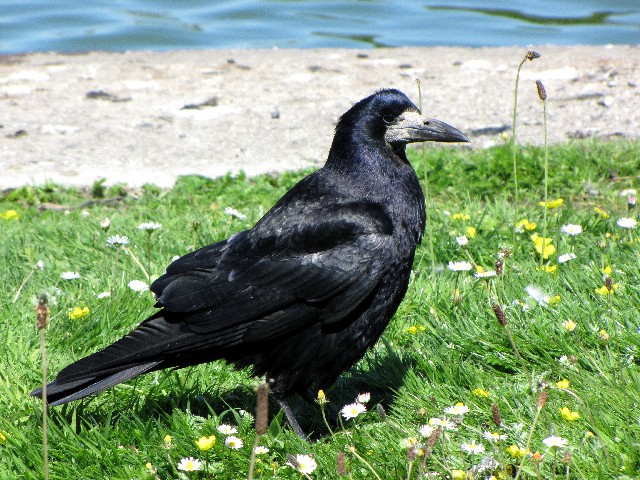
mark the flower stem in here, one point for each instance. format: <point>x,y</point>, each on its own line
<point>45,426</point>
<point>513,151</point>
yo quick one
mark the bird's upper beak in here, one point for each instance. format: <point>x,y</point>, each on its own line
<point>413,127</point>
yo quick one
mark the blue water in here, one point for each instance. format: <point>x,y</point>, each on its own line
<point>75,25</point>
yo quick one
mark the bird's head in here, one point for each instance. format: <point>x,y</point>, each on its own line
<point>389,116</point>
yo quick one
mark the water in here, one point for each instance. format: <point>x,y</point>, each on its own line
<point>73,25</point>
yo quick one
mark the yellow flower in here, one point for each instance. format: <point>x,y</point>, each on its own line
<point>167,441</point>
<point>568,415</point>
<point>538,240</point>
<point>545,251</point>
<point>205,443</point>
<point>601,212</point>
<point>10,215</point>
<point>458,475</point>
<point>480,392</point>
<point>569,325</point>
<point>554,300</point>
<point>460,216</point>
<point>552,203</point>
<point>604,336</point>
<point>603,290</point>
<point>564,383</point>
<point>607,270</point>
<point>471,232</point>
<point>516,451</point>
<point>322,399</point>
<point>413,329</point>
<point>547,268</point>
<point>76,313</point>
<point>3,438</point>
<point>526,224</point>
<point>151,470</point>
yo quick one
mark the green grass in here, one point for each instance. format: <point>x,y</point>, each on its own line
<point>443,344</point>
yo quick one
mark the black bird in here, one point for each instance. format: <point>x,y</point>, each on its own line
<point>303,294</point>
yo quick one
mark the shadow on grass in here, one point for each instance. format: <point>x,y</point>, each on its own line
<point>380,374</point>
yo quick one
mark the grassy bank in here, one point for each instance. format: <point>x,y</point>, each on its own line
<point>553,345</point>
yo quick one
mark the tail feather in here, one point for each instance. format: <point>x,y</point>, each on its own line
<point>60,393</point>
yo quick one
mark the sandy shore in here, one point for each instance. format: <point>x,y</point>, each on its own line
<point>139,117</point>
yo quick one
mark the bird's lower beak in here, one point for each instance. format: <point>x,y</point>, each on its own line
<point>433,130</point>
<point>412,127</point>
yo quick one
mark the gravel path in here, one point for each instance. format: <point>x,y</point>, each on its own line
<point>139,117</point>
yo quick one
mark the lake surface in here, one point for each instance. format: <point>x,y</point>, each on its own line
<point>116,25</point>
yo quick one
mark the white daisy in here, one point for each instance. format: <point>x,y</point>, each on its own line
<point>118,241</point>
<point>627,223</point>
<point>234,213</point>
<point>138,286</point>
<point>571,229</point>
<point>304,463</point>
<point>426,430</point>
<point>227,429</point>
<point>462,241</point>
<point>363,397</point>
<point>459,266</point>
<point>105,224</point>
<point>485,274</point>
<point>566,257</point>
<point>69,275</point>
<point>493,437</point>
<point>149,226</point>
<point>472,447</point>
<point>554,441</point>
<point>40,264</point>
<point>189,464</point>
<point>458,409</point>
<point>352,410</point>
<point>443,423</point>
<point>233,442</point>
<point>103,295</point>
<point>260,450</point>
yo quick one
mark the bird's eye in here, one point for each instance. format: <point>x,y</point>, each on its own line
<point>388,119</point>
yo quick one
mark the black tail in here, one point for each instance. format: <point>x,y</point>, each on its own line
<point>64,392</point>
<point>149,347</point>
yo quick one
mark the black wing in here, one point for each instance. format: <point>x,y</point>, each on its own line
<point>273,279</point>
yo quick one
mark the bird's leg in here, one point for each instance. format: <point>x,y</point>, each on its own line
<point>291,418</point>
